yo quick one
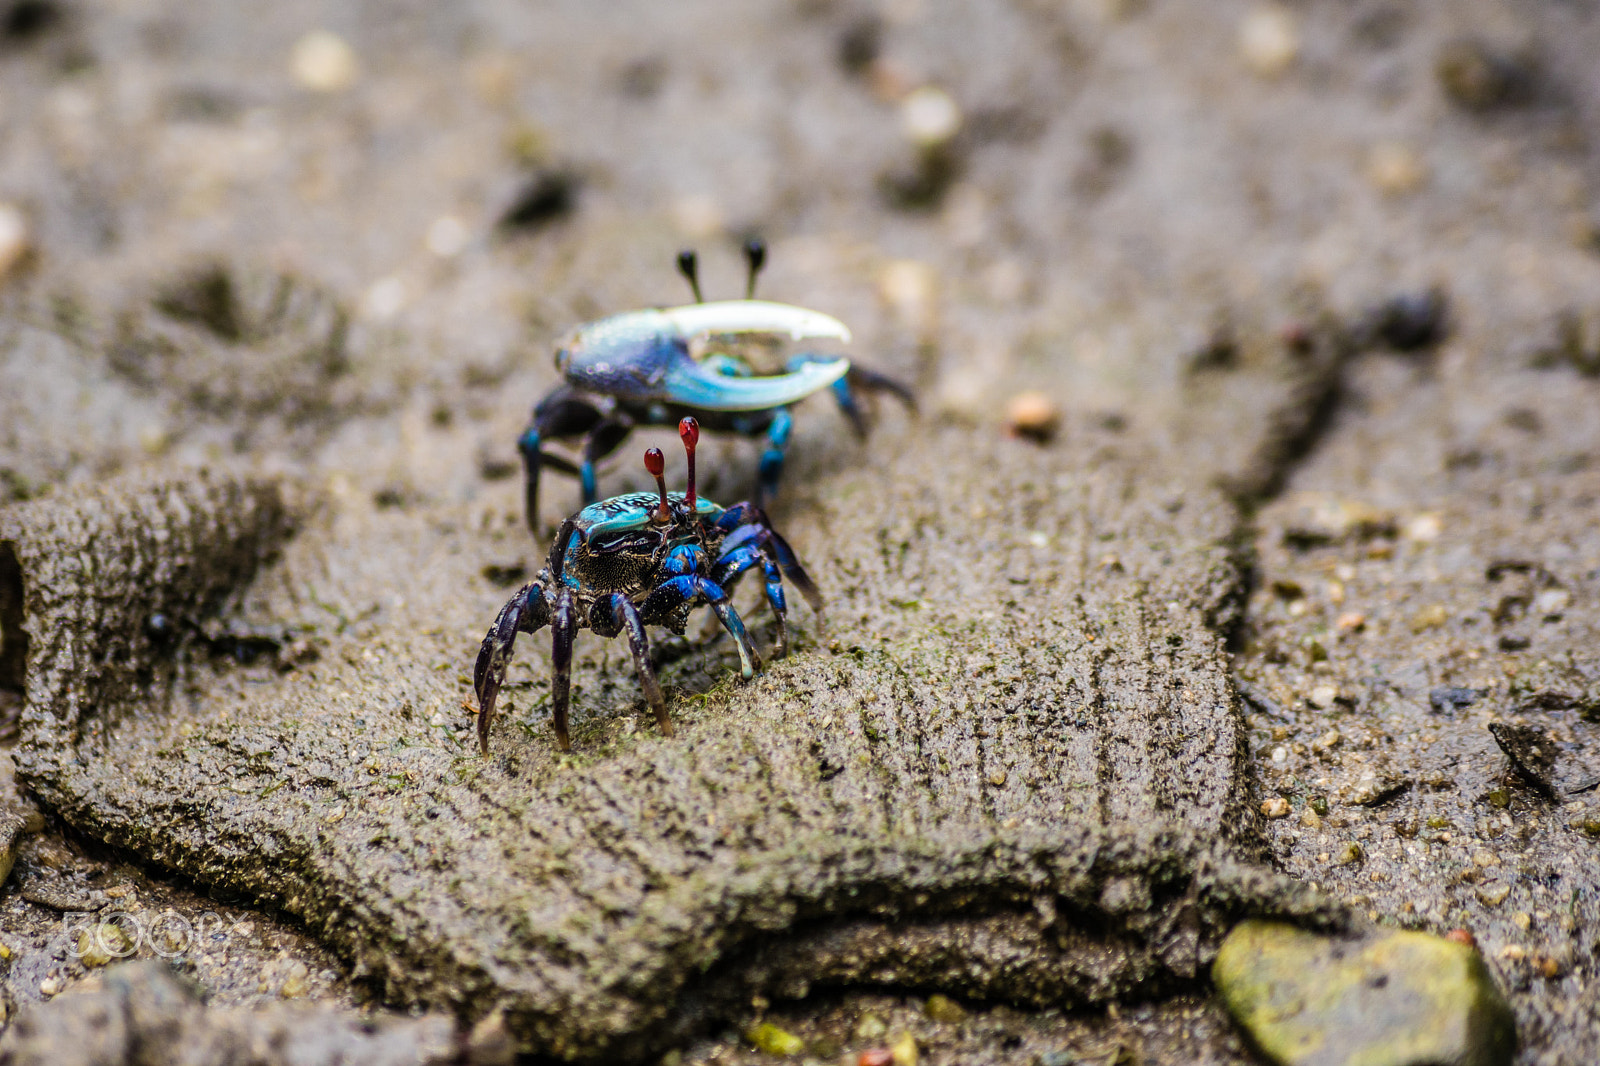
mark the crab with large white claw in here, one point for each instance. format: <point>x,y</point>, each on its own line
<point>641,368</point>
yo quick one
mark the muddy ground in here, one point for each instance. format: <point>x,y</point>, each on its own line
<point>1292,615</point>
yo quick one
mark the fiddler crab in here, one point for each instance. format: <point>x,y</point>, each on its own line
<point>640,368</point>
<point>635,560</point>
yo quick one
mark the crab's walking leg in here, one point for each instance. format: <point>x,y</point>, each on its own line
<point>734,563</point>
<point>747,524</point>
<point>526,612</point>
<point>562,415</point>
<point>772,459</point>
<point>602,440</point>
<point>564,623</point>
<point>608,617</point>
<point>662,604</point>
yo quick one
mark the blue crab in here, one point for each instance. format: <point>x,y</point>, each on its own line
<point>635,560</point>
<point>637,369</point>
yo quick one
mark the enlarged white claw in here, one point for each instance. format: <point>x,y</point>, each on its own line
<point>691,384</point>
<point>755,316</point>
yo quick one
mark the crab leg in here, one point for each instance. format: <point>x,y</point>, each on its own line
<point>608,617</point>
<point>564,623</point>
<point>662,604</point>
<point>733,564</point>
<point>526,612</point>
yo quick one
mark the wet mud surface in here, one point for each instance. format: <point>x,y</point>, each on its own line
<point>1293,615</point>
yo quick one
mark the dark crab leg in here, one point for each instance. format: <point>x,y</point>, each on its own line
<point>526,612</point>
<point>611,615</point>
<point>732,565</point>
<point>748,524</point>
<point>662,605</point>
<point>564,623</point>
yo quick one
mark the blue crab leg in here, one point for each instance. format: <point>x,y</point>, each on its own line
<point>732,565</point>
<point>608,617</point>
<point>526,612</point>
<point>564,623</point>
<point>746,524</point>
<point>772,459</point>
<point>672,594</point>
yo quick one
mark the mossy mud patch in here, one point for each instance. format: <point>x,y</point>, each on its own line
<point>1007,764</point>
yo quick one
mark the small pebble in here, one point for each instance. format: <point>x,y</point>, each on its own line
<point>1351,622</point>
<point>1323,696</point>
<point>911,289</point>
<point>1280,755</point>
<point>870,1027</point>
<point>944,1009</point>
<point>1269,40</point>
<point>1310,819</point>
<point>903,1052</point>
<point>296,983</point>
<point>1395,169</point>
<point>998,779</point>
<point>1462,936</point>
<point>1033,415</point>
<point>1276,807</point>
<point>322,62</point>
<point>50,986</point>
<point>13,237</point>
<point>447,237</point>
<point>878,1056</point>
<point>1424,528</point>
<point>1429,618</point>
<point>930,117</point>
<point>769,1039</point>
<point>1348,855</point>
<point>1492,895</point>
<point>1551,602</point>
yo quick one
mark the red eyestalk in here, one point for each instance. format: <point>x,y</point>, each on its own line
<point>656,464</point>
<point>689,430</point>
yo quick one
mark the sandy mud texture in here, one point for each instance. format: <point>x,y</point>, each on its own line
<point>1015,780</point>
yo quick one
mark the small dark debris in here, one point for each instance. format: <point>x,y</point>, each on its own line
<point>1524,419</point>
<point>205,298</point>
<point>1577,343</point>
<point>505,575</point>
<point>1480,77</point>
<point>1407,322</point>
<point>1447,700</point>
<point>1109,158</point>
<point>643,78</point>
<point>546,197</point>
<point>1510,643</point>
<point>1532,754</point>
<point>1551,700</point>
<point>27,19</point>
<point>496,468</point>
<point>1499,568</point>
<point>1285,589</point>
<point>860,44</point>
<point>390,496</point>
<point>1219,351</point>
<point>919,184</point>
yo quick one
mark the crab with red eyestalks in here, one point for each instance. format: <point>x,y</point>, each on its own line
<point>636,560</point>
